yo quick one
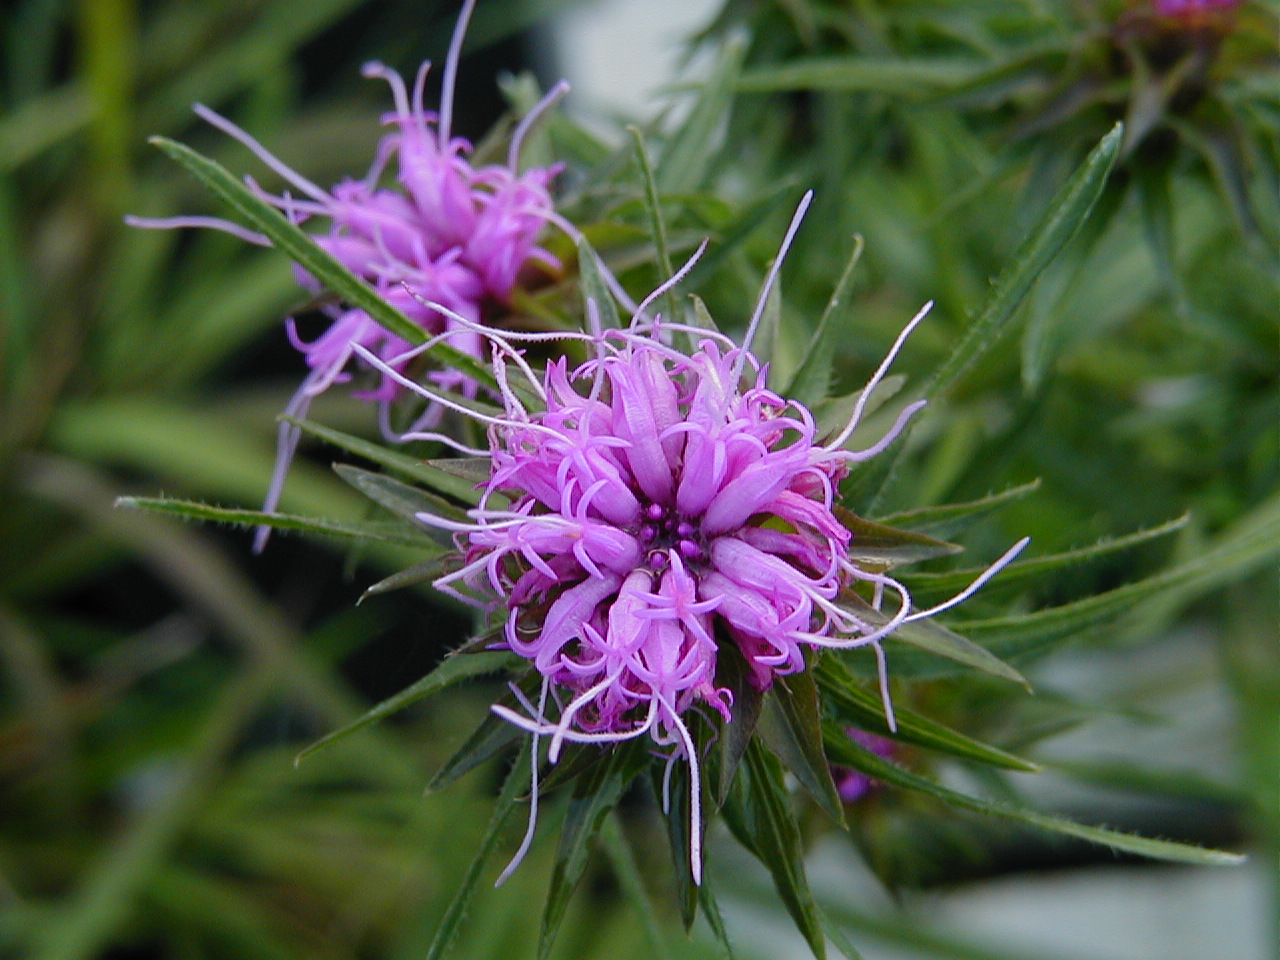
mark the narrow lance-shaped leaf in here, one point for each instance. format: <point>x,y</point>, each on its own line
<point>845,751</point>
<point>453,669</point>
<point>627,870</point>
<point>1066,212</point>
<point>594,288</point>
<point>711,910</point>
<point>875,541</point>
<point>811,383</point>
<point>929,585</point>
<point>400,498</point>
<point>759,814</point>
<point>657,226</point>
<point>293,241</point>
<point>675,817</point>
<point>423,572</point>
<point>791,726</point>
<point>457,908</point>
<point>487,740</point>
<point>1253,541</point>
<point>593,798</point>
<point>689,153</point>
<point>733,674</point>
<point>1061,221</point>
<point>929,635</point>
<point>895,75</point>
<point>428,472</point>
<point>191,510</point>
<point>949,519</point>
<point>854,705</point>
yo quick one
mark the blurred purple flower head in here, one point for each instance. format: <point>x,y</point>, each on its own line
<point>1187,9</point>
<point>447,233</point>
<point>853,785</point>
<point>659,506</point>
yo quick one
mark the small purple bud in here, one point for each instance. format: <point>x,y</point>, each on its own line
<point>689,550</point>
<point>686,530</point>
<point>655,511</point>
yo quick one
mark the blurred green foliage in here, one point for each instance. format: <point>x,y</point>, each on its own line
<point>157,682</point>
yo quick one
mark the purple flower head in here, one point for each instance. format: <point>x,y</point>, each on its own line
<point>659,506</point>
<point>446,233</point>
<point>853,785</point>
<point>1189,9</point>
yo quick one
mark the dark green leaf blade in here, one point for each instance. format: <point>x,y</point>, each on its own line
<point>594,796</point>
<point>758,813</point>
<point>875,541</point>
<point>293,241</point>
<point>791,726</point>
<point>194,510</point>
<point>846,751</point>
<point>863,709</point>
<point>453,669</point>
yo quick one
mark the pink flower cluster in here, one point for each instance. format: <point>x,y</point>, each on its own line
<point>659,506</point>
<point>448,233</point>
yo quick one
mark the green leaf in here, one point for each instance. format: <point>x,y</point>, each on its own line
<point>1066,212</point>
<point>627,870</point>
<point>593,798</point>
<point>855,706</point>
<point>1254,540</point>
<point>895,75</point>
<point>758,813</point>
<point>457,909</point>
<point>490,737</point>
<point>711,910</point>
<point>594,288</point>
<point>300,247</point>
<point>733,674</point>
<point>400,498</point>
<point>676,820</point>
<point>690,151</point>
<point>429,472</point>
<point>939,585</point>
<point>791,726</point>
<point>657,226</point>
<point>422,572</point>
<point>453,669</point>
<point>192,510</point>
<point>949,519</point>
<point>735,234</point>
<point>1063,218</point>
<point>474,470</point>
<point>845,751</point>
<point>875,541</point>
<point>929,635</point>
<point>836,936</point>
<point>811,383</point>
